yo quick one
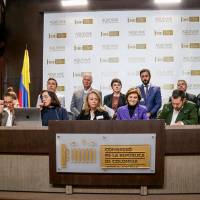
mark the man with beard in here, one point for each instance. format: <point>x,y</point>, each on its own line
<point>179,111</point>
<point>151,95</point>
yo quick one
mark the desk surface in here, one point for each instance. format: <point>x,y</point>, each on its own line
<point>179,140</point>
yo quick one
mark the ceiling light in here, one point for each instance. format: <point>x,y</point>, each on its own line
<point>166,1</point>
<point>74,2</point>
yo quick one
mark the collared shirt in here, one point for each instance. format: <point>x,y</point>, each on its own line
<point>10,117</point>
<point>174,116</point>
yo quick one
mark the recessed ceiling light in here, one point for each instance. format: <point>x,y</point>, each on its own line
<point>166,1</point>
<point>74,2</point>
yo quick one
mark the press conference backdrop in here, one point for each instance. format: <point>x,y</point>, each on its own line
<point>119,44</point>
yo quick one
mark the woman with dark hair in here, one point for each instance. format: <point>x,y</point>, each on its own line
<point>133,110</point>
<point>51,108</point>
<point>92,109</point>
<point>116,99</point>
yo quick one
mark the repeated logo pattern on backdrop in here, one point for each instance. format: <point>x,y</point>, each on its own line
<point>112,44</point>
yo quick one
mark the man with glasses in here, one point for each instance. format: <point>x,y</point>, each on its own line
<point>7,117</point>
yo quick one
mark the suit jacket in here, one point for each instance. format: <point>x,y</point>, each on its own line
<point>139,113</point>
<point>189,97</point>
<point>4,117</point>
<point>77,102</point>
<point>99,115</point>
<point>153,101</point>
<point>188,113</point>
<point>108,100</point>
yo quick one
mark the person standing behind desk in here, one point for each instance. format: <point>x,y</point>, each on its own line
<point>92,109</point>
<point>133,110</point>
<point>151,95</point>
<point>51,108</point>
<point>179,111</point>
<point>116,99</point>
<point>7,116</point>
<point>79,96</point>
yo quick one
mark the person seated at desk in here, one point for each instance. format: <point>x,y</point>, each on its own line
<point>116,99</point>
<point>51,108</point>
<point>7,116</point>
<point>179,111</point>
<point>92,109</point>
<point>133,110</point>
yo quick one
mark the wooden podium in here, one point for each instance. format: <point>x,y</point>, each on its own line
<point>112,127</point>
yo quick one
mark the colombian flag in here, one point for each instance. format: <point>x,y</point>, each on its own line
<point>24,92</point>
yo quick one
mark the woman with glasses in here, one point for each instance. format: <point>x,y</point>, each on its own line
<point>51,108</point>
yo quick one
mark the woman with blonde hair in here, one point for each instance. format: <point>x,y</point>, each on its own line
<point>133,110</point>
<point>92,109</point>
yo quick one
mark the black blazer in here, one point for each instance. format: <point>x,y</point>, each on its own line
<point>99,115</point>
<point>108,100</point>
<point>189,97</point>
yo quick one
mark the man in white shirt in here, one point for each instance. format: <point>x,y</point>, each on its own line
<point>7,117</point>
<point>79,96</point>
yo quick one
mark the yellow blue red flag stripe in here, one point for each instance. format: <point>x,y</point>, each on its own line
<point>24,91</point>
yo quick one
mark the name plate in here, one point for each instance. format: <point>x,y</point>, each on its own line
<point>105,153</point>
<point>125,156</point>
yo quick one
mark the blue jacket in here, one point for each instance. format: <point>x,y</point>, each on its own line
<point>153,101</point>
<point>53,113</point>
<point>139,113</point>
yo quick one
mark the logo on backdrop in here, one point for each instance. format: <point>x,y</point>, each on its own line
<point>110,34</point>
<point>56,61</point>
<point>168,86</point>
<point>113,20</point>
<point>78,61</point>
<point>190,19</point>
<point>137,20</point>
<point>57,35</point>
<point>56,48</point>
<point>55,75</point>
<point>137,46</point>
<point>191,58</point>
<point>59,22</point>
<point>164,59</point>
<point>88,47</point>
<point>195,72</point>
<point>136,59</point>
<point>190,32</point>
<point>110,46</point>
<point>190,45</point>
<point>84,21</point>
<point>164,19</point>
<point>163,32</point>
<point>83,34</point>
<point>109,60</point>
<point>79,74</point>
<point>164,46</point>
<point>137,33</point>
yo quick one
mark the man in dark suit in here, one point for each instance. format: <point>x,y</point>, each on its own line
<point>151,95</point>
<point>182,86</point>
<point>179,111</point>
